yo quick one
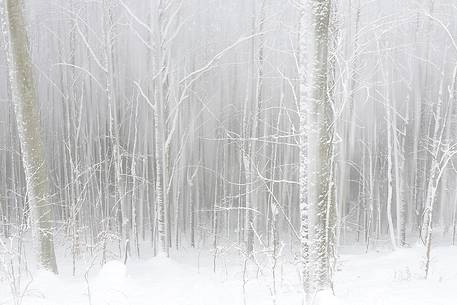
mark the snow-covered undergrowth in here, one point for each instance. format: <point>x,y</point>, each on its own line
<point>376,278</point>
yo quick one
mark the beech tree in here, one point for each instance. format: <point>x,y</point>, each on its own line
<point>29,127</point>
<point>316,121</point>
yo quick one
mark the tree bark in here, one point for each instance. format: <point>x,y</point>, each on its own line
<point>315,144</point>
<point>29,126</point>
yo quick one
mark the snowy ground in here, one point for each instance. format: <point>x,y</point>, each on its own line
<point>376,278</point>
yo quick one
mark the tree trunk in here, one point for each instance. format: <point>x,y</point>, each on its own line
<point>315,144</point>
<point>29,126</point>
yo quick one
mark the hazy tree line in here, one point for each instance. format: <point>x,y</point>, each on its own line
<point>265,125</point>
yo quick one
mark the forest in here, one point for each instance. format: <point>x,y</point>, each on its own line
<point>234,152</point>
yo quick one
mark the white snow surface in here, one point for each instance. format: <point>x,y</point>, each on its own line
<point>375,278</point>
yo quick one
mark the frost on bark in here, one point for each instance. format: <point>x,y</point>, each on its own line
<point>390,177</point>
<point>438,165</point>
<point>29,127</point>
<point>316,151</point>
<point>162,136</point>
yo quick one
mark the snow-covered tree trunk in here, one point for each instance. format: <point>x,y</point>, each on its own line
<point>162,97</point>
<point>315,143</point>
<point>303,165</point>
<point>29,126</point>
<point>160,187</point>
<point>389,174</point>
<point>440,159</point>
<point>400,186</point>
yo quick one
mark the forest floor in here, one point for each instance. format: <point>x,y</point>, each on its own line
<point>373,278</point>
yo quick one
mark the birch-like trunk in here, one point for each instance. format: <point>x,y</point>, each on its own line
<point>162,96</point>
<point>29,126</point>
<point>315,143</point>
<point>390,175</point>
<point>438,165</point>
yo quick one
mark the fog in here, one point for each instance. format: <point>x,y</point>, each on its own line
<point>260,128</point>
